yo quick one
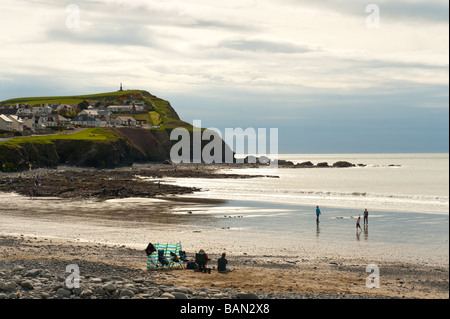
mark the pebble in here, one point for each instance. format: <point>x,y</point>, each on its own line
<point>21,279</point>
<point>167,295</point>
<point>126,293</point>
<point>27,284</point>
<point>179,295</point>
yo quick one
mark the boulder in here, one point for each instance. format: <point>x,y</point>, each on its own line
<point>246,296</point>
<point>179,295</point>
<point>305,164</point>
<point>8,286</point>
<point>17,269</point>
<point>324,164</point>
<point>343,164</point>
<point>33,273</point>
<point>168,295</point>
<point>27,284</point>
<point>126,293</point>
<point>86,293</point>
<point>61,292</point>
<point>100,291</point>
<point>285,163</point>
<point>109,287</point>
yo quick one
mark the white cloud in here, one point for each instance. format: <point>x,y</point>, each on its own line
<point>254,45</point>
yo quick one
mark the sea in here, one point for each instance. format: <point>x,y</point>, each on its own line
<point>391,182</point>
<point>407,196</point>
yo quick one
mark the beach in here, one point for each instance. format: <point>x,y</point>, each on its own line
<point>278,250</point>
<point>264,277</point>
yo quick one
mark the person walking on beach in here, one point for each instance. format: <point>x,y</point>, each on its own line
<point>366,217</point>
<point>317,213</point>
<point>358,223</point>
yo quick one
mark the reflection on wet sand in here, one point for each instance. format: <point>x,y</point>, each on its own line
<point>143,210</point>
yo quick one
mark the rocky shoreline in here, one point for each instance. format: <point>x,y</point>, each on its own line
<point>137,181</point>
<point>140,180</point>
<point>40,268</point>
<point>35,277</point>
<point>46,279</point>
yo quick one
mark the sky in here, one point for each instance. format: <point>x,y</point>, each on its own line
<point>336,76</point>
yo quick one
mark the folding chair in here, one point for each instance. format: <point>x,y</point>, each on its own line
<point>165,256</point>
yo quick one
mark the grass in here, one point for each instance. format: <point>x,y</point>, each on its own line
<point>161,113</point>
<point>160,107</point>
<point>156,118</point>
<point>90,134</point>
<point>73,100</point>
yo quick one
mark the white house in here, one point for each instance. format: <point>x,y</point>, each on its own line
<point>40,122</point>
<point>96,113</point>
<point>6,124</point>
<point>86,120</point>
<point>67,107</point>
<point>27,120</point>
<point>139,107</point>
<point>42,110</point>
<point>24,111</point>
<point>57,120</point>
<point>34,122</point>
<point>126,121</point>
<point>17,123</point>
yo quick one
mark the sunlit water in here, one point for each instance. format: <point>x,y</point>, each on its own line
<point>408,206</point>
<point>416,183</point>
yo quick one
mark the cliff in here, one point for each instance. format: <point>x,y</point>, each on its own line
<point>98,147</point>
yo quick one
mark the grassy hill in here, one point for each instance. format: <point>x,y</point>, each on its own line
<point>97,147</point>
<point>108,97</point>
<point>160,112</point>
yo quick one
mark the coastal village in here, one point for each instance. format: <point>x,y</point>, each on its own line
<point>25,119</point>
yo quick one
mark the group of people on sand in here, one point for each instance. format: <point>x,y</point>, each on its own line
<point>358,221</point>
<point>200,264</point>
<point>201,259</point>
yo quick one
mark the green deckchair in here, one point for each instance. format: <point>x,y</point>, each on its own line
<point>164,257</point>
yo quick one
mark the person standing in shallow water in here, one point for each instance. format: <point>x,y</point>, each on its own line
<point>317,213</point>
<point>366,217</point>
<point>358,223</point>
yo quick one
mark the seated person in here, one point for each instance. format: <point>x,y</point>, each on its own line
<point>222,265</point>
<point>162,259</point>
<point>183,256</point>
<point>174,257</point>
<point>201,258</point>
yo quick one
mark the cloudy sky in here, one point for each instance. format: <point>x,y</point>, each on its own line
<point>324,72</point>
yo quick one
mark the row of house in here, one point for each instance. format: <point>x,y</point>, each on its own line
<point>85,118</point>
<point>22,116</point>
<point>34,122</point>
<point>10,123</point>
<point>47,109</point>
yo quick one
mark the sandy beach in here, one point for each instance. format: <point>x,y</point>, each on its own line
<point>107,233</point>
<point>274,277</point>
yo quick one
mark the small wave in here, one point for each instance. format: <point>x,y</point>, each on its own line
<point>359,194</point>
